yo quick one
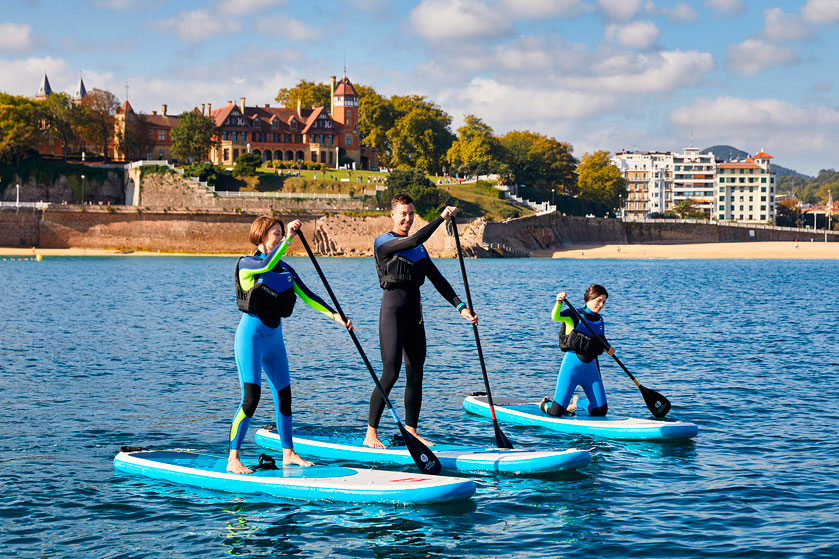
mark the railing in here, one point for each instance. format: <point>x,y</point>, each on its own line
<point>35,205</point>
<point>506,248</point>
<point>307,195</point>
<point>731,224</point>
<point>539,207</point>
<point>135,164</point>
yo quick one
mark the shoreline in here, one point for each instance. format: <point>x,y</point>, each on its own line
<point>770,250</point>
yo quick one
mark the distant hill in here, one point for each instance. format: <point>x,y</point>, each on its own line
<point>730,153</point>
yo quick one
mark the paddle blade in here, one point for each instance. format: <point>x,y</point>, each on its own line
<point>500,439</point>
<point>658,404</point>
<point>424,458</point>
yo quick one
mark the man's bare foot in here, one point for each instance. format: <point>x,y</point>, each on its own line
<point>413,431</point>
<point>371,439</point>
<point>234,464</point>
<point>291,457</point>
<point>572,407</point>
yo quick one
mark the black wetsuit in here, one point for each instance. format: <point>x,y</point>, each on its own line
<point>403,264</point>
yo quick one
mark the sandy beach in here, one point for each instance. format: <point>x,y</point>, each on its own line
<point>751,250</point>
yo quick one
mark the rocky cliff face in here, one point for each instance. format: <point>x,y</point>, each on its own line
<point>68,189</point>
<point>342,235</point>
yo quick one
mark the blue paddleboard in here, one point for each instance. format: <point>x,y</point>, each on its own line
<point>525,411</point>
<point>457,458</point>
<point>315,483</point>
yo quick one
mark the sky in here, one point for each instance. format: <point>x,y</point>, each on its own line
<point>598,74</point>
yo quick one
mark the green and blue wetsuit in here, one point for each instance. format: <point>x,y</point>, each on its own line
<point>268,286</point>
<point>579,365</point>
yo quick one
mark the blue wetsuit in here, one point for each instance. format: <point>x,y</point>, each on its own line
<point>260,347</point>
<point>579,367</point>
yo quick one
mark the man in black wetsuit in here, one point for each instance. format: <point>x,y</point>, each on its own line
<point>403,264</point>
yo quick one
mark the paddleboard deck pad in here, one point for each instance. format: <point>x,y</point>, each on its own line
<point>525,411</point>
<point>314,483</point>
<point>469,459</point>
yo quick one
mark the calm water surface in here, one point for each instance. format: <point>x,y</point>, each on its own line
<point>96,353</point>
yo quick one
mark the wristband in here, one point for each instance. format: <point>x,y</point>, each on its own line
<point>461,306</point>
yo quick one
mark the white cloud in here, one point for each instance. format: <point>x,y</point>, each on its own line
<point>727,7</point>
<point>619,9</point>
<point>544,8</point>
<point>646,73</point>
<point>241,7</point>
<point>198,26</point>
<point>288,27</point>
<point>784,27</point>
<point>753,55</point>
<point>503,104</point>
<point>640,34</point>
<point>458,19</point>
<point>821,11</point>
<point>682,13</point>
<point>17,37</point>
<point>120,5</point>
<point>778,126</point>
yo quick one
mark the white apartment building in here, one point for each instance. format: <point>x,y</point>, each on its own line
<point>738,190</point>
<point>746,189</point>
<point>693,177</point>
<point>649,175</point>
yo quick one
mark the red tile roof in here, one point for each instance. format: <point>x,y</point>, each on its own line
<point>344,87</point>
<point>762,155</point>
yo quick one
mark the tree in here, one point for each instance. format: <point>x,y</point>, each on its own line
<point>601,181</point>
<point>428,199</point>
<point>194,136</point>
<point>63,117</point>
<point>19,130</point>
<point>99,109</point>
<point>310,94</point>
<point>420,136</point>
<point>246,165</point>
<point>687,209</point>
<point>539,161</point>
<point>376,116</point>
<point>135,141</point>
<point>788,213</point>
<point>475,147</point>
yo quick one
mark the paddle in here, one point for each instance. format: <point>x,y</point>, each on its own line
<point>658,404</point>
<point>426,461</point>
<point>500,439</point>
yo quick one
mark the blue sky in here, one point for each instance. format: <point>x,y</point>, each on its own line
<point>600,74</point>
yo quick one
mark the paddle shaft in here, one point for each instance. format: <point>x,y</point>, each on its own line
<point>658,404</point>
<point>426,461</point>
<point>600,339</point>
<point>501,440</point>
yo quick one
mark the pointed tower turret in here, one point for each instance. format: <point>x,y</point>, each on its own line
<point>345,103</point>
<point>45,90</point>
<point>80,92</point>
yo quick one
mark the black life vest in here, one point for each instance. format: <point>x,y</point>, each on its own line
<point>581,340</point>
<point>403,269</point>
<point>271,298</point>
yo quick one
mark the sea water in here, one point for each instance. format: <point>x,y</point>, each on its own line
<point>96,353</point>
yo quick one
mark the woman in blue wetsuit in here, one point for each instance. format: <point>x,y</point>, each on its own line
<point>266,290</point>
<point>580,366</point>
<point>402,263</point>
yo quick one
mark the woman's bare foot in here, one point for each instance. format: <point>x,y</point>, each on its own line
<point>234,464</point>
<point>291,457</point>
<point>413,431</point>
<point>371,439</point>
<point>572,407</point>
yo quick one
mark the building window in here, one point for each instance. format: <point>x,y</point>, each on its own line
<point>287,138</point>
<point>348,140</point>
<point>161,135</point>
<point>225,135</point>
<point>235,154</point>
<point>331,139</point>
<point>226,154</point>
<point>314,156</point>
<point>275,123</point>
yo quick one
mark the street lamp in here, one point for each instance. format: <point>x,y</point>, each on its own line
<point>17,202</point>
<point>82,190</point>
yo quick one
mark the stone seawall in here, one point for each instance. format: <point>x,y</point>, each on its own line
<point>125,228</point>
